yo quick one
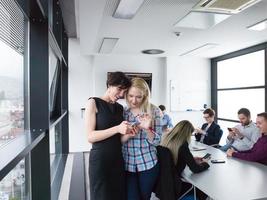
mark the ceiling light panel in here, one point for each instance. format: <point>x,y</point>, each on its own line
<point>200,49</point>
<point>108,45</point>
<point>127,9</point>
<point>224,6</point>
<point>201,20</point>
<point>258,26</point>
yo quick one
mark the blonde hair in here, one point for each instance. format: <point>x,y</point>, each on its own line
<point>142,85</point>
<point>177,137</point>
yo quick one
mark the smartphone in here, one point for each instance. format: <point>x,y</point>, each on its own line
<point>135,123</point>
<point>230,129</point>
<point>217,161</point>
<point>207,156</point>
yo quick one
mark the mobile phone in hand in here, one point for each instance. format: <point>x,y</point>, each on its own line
<point>230,129</point>
<point>217,161</point>
<point>207,156</point>
<point>136,123</point>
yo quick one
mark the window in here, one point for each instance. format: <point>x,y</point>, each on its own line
<point>230,101</point>
<point>240,80</point>
<point>14,186</point>
<point>28,91</point>
<point>54,72</point>
<point>242,71</point>
<point>11,71</point>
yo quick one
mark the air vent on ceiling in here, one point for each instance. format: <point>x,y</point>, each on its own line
<point>224,6</point>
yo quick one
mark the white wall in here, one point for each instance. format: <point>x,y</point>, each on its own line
<point>187,69</point>
<point>144,64</point>
<point>81,85</point>
<point>87,77</point>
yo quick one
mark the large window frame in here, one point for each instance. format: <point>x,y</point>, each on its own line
<point>45,29</point>
<point>214,78</point>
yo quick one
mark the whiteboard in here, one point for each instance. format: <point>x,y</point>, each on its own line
<point>187,95</point>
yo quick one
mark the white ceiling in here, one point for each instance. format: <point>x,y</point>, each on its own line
<point>153,28</point>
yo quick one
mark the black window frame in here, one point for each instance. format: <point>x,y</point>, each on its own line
<point>214,87</point>
<point>34,144</point>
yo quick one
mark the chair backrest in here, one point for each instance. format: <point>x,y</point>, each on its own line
<point>221,133</point>
<point>168,186</point>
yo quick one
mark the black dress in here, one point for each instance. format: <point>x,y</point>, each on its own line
<point>106,166</point>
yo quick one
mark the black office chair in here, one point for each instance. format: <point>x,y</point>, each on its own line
<point>220,136</point>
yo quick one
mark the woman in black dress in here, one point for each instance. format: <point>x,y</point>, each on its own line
<point>104,127</point>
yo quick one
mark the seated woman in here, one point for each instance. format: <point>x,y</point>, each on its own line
<point>210,132</point>
<point>177,142</point>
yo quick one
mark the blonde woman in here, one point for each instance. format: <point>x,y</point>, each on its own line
<point>139,150</point>
<point>177,142</point>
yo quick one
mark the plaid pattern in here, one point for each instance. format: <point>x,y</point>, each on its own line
<point>140,153</point>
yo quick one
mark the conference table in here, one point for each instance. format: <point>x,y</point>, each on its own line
<point>233,180</point>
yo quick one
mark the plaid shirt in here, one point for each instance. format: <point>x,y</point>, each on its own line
<point>139,152</point>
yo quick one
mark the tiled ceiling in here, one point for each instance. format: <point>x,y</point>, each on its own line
<point>152,28</point>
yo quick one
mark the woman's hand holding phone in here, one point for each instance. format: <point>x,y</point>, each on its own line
<point>122,128</point>
<point>133,128</point>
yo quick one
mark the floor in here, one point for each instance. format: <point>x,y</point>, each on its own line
<point>65,186</point>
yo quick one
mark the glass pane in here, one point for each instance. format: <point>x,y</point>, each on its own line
<point>11,94</point>
<point>242,71</point>
<point>224,125</point>
<point>53,78</point>
<point>230,101</point>
<point>13,186</point>
<point>55,148</point>
<point>52,145</point>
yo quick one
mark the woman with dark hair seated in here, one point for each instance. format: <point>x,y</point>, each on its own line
<point>210,132</point>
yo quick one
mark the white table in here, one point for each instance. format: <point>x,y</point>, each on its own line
<point>233,180</point>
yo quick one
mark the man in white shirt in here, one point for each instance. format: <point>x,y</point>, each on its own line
<point>243,136</point>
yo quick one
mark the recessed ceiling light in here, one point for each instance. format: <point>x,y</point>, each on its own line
<point>258,26</point>
<point>200,49</point>
<point>107,45</point>
<point>152,51</point>
<point>127,9</point>
<point>201,20</point>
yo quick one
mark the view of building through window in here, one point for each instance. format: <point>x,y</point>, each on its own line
<point>11,94</point>
<point>12,187</point>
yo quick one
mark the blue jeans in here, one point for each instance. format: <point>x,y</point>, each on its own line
<point>140,184</point>
<point>226,147</point>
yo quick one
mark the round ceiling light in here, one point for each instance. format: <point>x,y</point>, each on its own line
<point>153,51</point>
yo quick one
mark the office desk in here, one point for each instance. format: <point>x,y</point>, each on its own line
<point>233,180</point>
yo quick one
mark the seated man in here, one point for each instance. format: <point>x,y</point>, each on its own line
<point>259,151</point>
<point>166,120</point>
<point>242,137</point>
<point>210,132</point>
